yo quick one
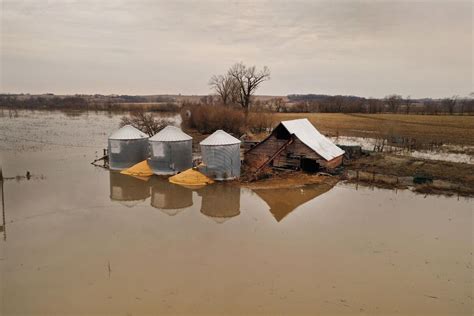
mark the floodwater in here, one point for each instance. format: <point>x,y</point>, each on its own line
<point>445,152</point>
<point>79,240</point>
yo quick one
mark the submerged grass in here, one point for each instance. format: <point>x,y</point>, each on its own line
<point>460,176</point>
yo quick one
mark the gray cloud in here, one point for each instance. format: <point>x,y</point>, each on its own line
<point>369,48</point>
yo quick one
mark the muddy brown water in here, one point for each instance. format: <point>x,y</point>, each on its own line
<point>82,241</point>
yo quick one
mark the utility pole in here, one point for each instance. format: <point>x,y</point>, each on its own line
<point>4,225</point>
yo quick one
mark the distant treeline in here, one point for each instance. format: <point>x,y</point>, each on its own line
<point>88,102</point>
<point>301,103</point>
<point>390,104</point>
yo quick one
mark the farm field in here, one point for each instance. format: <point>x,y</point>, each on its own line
<point>451,129</point>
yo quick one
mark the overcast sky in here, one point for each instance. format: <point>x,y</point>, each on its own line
<point>365,48</point>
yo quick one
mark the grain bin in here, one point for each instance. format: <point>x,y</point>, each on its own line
<point>127,147</point>
<point>171,151</point>
<point>221,156</point>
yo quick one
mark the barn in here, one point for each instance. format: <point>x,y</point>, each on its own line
<point>297,145</point>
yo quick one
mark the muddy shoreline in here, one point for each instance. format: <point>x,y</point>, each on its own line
<point>421,175</point>
<point>384,171</point>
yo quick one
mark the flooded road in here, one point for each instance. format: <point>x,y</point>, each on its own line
<point>80,240</point>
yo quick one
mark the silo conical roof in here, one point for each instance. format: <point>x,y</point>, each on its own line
<point>220,137</point>
<point>127,132</point>
<point>170,134</point>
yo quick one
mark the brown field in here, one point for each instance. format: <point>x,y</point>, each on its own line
<point>452,129</point>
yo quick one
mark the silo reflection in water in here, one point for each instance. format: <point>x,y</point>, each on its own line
<point>128,190</point>
<point>220,201</point>
<point>168,197</point>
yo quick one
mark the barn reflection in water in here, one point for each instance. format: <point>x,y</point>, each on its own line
<point>284,201</point>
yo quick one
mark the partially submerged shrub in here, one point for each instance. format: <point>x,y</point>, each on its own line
<point>146,122</point>
<point>207,119</point>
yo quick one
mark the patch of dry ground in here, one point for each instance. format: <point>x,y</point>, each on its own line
<point>291,180</point>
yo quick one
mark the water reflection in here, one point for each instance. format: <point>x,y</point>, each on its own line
<point>168,197</point>
<point>283,201</point>
<point>220,201</point>
<point>127,190</point>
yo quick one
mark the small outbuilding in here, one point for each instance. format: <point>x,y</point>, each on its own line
<point>221,156</point>
<point>127,147</point>
<point>295,144</point>
<point>171,151</point>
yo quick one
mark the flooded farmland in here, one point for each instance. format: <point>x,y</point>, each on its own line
<point>81,240</point>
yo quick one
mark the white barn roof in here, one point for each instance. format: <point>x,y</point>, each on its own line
<point>220,137</point>
<point>309,135</point>
<point>170,134</point>
<point>127,132</point>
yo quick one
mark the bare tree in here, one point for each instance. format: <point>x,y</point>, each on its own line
<point>276,104</point>
<point>208,99</point>
<point>226,87</point>
<point>408,102</point>
<point>430,107</point>
<point>248,79</point>
<point>448,104</point>
<point>374,105</point>
<point>354,106</point>
<point>338,103</point>
<point>462,105</point>
<point>393,102</point>
<point>469,106</point>
<point>146,122</point>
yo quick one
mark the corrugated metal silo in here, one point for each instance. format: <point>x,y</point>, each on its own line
<point>127,146</point>
<point>171,151</point>
<point>221,156</point>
